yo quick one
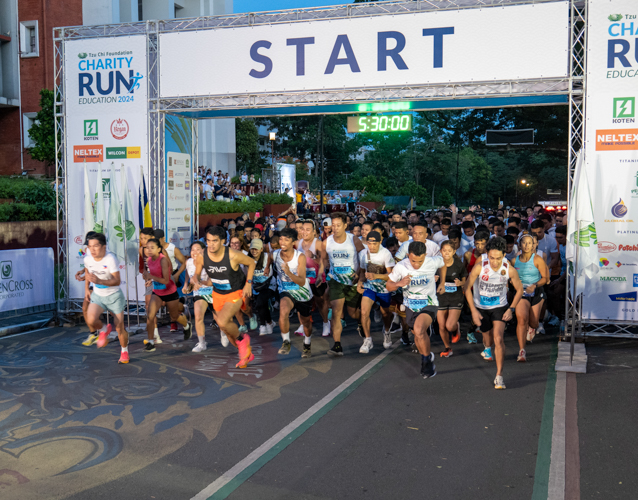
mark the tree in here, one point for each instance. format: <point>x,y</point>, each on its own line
<point>42,132</point>
<point>249,158</point>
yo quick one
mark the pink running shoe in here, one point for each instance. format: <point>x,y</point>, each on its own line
<point>245,352</point>
<point>101,339</point>
<point>124,358</point>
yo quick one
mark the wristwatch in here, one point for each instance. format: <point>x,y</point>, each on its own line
<point>512,309</point>
<point>249,281</point>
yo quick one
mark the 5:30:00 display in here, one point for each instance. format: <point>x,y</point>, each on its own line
<point>379,123</point>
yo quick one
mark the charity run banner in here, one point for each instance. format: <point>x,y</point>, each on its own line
<point>106,145</point>
<point>180,182</point>
<point>466,45</point>
<point>26,278</point>
<point>611,156</point>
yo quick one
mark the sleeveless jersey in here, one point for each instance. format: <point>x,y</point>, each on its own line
<point>204,290</point>
<point>225,279</point>
<point>286,285</point>
<point>527,272</point>
<point>170,251</point>
<point>260,277</point>
<point>490,288</point>
<point>343,259</point>
<point>312,266</point>
<point>155,268</point>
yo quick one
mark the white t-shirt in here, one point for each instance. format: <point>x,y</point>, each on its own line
<point>382,258</point>
<point>548,246</point>
<point>431,249</point>
<point>439,237</point>
<point>104,270</point>
<point>421,291</point>
<point>463,247</point>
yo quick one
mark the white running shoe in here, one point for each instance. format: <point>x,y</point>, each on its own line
<point>299,331</point>
<point>531,333</point>
<point>387,339</point>
<point>326,329</point>
<point>540,329</point>
<point>396,324</point>
<point>263,330</point>
<point>522,356</point>
<point>201,346</point>
<point>366,346</point>
<point>498,382</point>
<point>157,339</point>
<point>224,337</point>
<point>253,322</point>
<point>270,327</point>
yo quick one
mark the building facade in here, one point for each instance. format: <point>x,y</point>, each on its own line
<point>26,67</point>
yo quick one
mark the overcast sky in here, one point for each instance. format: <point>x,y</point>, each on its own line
<point>259,5</point>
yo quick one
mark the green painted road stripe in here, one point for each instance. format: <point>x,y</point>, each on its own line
<point>221,488</point>
<point>543,457</point>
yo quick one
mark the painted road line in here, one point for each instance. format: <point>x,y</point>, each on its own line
<point>556,486</point>
<point>572,449</point>
<point>543,456</point>
<point>230,480</point>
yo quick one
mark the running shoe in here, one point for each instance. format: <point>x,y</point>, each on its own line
<point>156,338</point>
<point>487,354</point>
<point>123,358</point>
<point>522,356</point>
<point>343,323</point>
<point>428,368</point>
<point>263,330</point>
<point>173,327</point>
<point>498,382</point>
<point>377,316</point>
<point>457,335</point>
<point>214,326</point>
<point>269,327</point>
<point>541,328</point>
<point>414,349</point>
<point>201,346</point>
<point>329,314</point>
<point>243,329</point>
<point>149,347</point>
<point>224,339</point>
<point>360,331</point>
<point>366,346</point>
<point>102,336</point>
<point>90,340</point>
<point>446,353</point>
<point>253,322</point>
<point>531,333</point>
<point>387,339</point>
<point>299,331</point>
<point>306,353</point>
<point>245,352</point>
<point>336,350</point>
<point>326,329</point>
<point>405,338</point>
<point>554,321</point>
<point>188,331</point>
<point>285,347</point>
<point>395,326</point>
<point>471,339</point>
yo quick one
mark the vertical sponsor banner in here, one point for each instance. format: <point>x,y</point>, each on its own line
<point>180,183</point>
<point>612,155</point>
<point>288,182</point>
<point>106,126</point>
<point>26,278</point>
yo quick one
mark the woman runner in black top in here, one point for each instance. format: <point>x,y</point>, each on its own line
<point>451,302</point>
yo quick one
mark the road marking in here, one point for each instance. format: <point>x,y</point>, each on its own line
<point>556,486</point>
<point>230,480</point>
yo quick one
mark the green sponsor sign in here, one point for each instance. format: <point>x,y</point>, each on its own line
<point>115,153</point>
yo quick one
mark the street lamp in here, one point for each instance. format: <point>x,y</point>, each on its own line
<point>272,138</point>
<point>523,181</point>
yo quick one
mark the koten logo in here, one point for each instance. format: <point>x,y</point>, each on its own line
<point>88,153</point>
<point>606,247</point>
<point>119,129</point>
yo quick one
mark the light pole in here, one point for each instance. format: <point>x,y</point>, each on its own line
<point>272,138</point>
<point>523,181</point>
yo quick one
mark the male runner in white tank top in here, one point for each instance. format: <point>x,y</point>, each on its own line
<point>341,257</point>
<point>486,294</point>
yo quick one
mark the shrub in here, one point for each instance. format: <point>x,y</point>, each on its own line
<point>36,193</point>
<point>225,207</point>
<point>273,199</point>
<point>19,212</point>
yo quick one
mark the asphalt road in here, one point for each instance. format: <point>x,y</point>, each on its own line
<point>75,425</point>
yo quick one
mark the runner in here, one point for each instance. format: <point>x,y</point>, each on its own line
<point>533,273</point>
<point>102,270</point>
<point>164,290</point>
<point>201,297</point>
<point>79,276</point>
<point>478,253</point>
<point>442,235</point>
<point>419,233</point>
<point>313,248</point>
<point>178,263</point>
<point>294,290</point>
<point>486,294</point>
<point>230,287</point>
<point>342,250</point>
<point>146,234</point>
<point>416,276</point>
<point>375,264</point>
<point>451,302</point>
<point>261,286</point>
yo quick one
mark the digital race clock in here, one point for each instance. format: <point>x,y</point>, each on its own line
<point>379,123</point>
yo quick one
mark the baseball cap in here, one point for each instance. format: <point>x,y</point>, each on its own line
<point>281,224</point>
<point>327,221</point>
<point>256,243</point>
<point>231,225</point>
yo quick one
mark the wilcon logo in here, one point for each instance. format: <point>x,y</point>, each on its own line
<point>107,75</point>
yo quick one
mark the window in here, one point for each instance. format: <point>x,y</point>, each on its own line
<point>29,40</point>
<point>28,120</point>
<point>140,10</point>
<point>177,9</point>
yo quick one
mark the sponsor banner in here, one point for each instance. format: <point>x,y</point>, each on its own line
<point>611,157</point>
<point>106,122</point>
<point>26,278</point>
<point>487,44</point>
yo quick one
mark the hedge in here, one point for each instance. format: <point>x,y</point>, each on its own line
<point>226,207</point>
<point>272,198</point>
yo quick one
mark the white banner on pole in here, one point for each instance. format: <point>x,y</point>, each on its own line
<point>179,200</point>
<point>26,278</point>
<point>611,155</point>
<point>106,121</point>
<point>466,45</point>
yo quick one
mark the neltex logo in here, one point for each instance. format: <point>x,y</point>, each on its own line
<point>88,153</point>
<point>6,269</point>
<point>90,130</point>
<point>624,110</point>
<point>617,139</point>
<point>618,212</point>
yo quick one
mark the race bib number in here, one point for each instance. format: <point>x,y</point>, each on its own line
<point>102,286</point>
<point>450,288</point>
<point>158,286</point>
<point>489,301</point>
<point>311,272</point>
<point>417,304</point>
<point>287,286</point>
<point>221,286</point>
<point>343,270</point>
<point>207,290</point>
